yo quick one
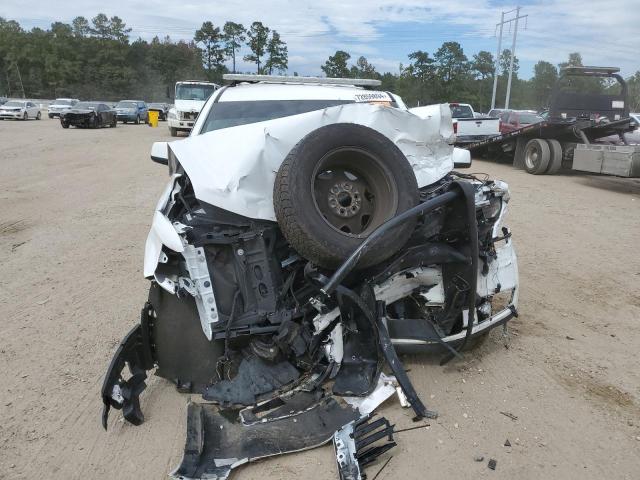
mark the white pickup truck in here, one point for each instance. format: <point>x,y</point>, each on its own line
<point>469,126</point>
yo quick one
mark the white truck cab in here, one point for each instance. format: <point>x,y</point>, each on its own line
<point>190,96</point>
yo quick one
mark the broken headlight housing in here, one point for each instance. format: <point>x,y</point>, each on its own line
<point>493,208</point>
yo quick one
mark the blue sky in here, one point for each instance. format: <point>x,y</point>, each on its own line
<point>384,31</point>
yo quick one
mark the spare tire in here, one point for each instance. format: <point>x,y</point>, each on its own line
<point>336,186</point>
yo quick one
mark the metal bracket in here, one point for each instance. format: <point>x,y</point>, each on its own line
<point>196,261</point>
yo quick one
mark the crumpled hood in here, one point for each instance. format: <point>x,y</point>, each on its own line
<point>235,168</point>
<point>188,105</point>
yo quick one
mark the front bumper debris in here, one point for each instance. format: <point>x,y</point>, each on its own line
<point>360,443</point>
<point>220,440</point>
<point>134,352</point>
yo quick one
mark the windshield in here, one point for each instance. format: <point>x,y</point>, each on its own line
<point>14,104</point>
<point>126,105</point>
<point>461,111</point>
<point>194,92</point>
<point>63,102</point>
<point>232,114</point>
<point>86,105</point>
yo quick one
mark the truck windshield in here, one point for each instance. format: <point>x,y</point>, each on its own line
<point>232,114</point>
<point>461,111</point>
<point>194,92</point>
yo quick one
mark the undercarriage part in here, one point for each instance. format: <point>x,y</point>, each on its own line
<point>359,180</point>
<point>181,350</point>
<point>397,367</point>
<point>135,353</point>
<point>360,443</point>
<point>220,440</point>
<point>255,377</point>
<point>360,364</point>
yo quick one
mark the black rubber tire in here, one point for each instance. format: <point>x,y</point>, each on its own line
<point>297,211</point>
<point>25,117</point>
<point>50,116</point>
<point>114,124</point>
<point>536,165</point>
<point>173,131</point>
<point>555,162</point>
<point>137,122</point>
<point>38,116</point>
<point>64,124</point>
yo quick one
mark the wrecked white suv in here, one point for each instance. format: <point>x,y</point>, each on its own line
<point>309,230</point>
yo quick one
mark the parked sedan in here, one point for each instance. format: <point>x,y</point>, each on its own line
<point>516,119</point>
<point>60,105</point>
<point>89,115</point>
<point>161,108</point>
<point>132,111</point>
<point>20,110</point>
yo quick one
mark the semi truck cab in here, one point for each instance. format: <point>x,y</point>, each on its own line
<point>190,97</point>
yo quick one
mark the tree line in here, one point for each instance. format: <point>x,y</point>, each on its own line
<point>448,75</point>
<point>96,59</point>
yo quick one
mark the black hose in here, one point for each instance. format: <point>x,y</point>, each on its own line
<point>350,263</point>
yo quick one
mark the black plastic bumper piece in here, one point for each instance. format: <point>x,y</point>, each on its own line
<point>360,443</point>
<point>220,440</point>
<point>397,367</point>
<point>135,353</point>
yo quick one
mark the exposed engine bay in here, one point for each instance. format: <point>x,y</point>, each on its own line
<point>307,312</point>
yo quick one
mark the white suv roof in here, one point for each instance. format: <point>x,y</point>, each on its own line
<point>293,91</point>
<point>262,91</point>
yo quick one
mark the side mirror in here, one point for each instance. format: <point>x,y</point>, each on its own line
<point>160,153</point>
<point>461,158</point>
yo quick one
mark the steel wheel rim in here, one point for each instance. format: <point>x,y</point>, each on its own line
<point>353,191</point>
<point>531,157</point>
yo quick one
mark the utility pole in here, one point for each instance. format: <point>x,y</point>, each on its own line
<point>497,65</point>
<point>513,54</point>
<point>502,23</point>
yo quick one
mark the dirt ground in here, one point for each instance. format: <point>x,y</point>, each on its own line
<point>76,207</point>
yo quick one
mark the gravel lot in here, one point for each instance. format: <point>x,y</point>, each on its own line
<point>76,207</point>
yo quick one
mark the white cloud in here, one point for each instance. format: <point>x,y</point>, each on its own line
<point>604,32</point>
